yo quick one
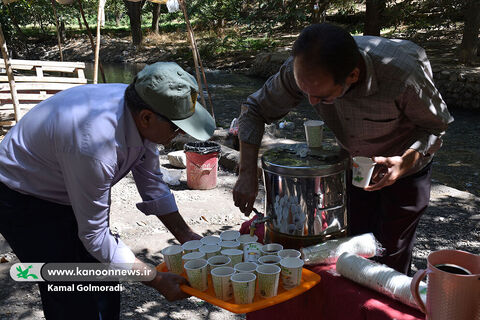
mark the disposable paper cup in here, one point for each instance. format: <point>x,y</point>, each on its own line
<point>289,253</point>
<point>235,255</point>
<point>251,252</point>
<point>243,287</point>
<point>246,238</point>
<point>173,258</point>
<point>268,276</point>
<point>229,244</point>
<point>291,272</point>
<point>314,133</point>
<point>218,261</point>
<point>210,240</point>
<point>229,235</point>
<point>245,267</point>
<point>362,169</point>
<point>271,248</point>
<point>222,283</point>
<point>270,259</point>
<point>197,273</point>
<point>210,250</point>
<point>193,256</point>
<point>191,246</point>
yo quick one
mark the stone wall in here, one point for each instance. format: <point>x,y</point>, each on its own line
<point>460,88</point>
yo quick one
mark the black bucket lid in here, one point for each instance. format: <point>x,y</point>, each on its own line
<point>298,160</point>
<point>205,147</point>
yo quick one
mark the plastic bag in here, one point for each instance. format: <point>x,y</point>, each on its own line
<point>234,127</point>
<point>171,177</point>
<point>173,6</point>
<point>364,245</point>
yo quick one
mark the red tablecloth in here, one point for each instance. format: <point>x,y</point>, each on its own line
<point>336,298</point>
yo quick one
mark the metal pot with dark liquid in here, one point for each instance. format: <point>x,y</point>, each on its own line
<point>305,195</point>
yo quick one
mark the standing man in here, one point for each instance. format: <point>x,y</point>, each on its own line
<point>59,163</point>
<point>377,96</point>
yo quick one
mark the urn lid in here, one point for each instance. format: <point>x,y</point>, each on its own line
<point>298,160</point>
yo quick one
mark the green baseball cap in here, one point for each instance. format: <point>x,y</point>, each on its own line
<point>172,92</point>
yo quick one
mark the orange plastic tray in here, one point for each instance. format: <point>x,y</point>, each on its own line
<point>309,280</point>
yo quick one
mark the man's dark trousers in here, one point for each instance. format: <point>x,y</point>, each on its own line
<point>42,231</point>
<point>392,214</point>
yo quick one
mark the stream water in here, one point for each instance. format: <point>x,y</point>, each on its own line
<point>228,90</point>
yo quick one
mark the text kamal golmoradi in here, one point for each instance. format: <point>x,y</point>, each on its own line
<point>84,288</point>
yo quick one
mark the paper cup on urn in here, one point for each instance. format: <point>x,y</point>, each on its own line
<point>314,133</point>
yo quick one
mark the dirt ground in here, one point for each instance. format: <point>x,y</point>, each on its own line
<point>452,221</point>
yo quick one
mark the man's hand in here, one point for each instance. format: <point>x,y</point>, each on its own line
<point>178,227</point>
<point>246,188</point>
<point>187,236</point>
<point>390,169</point>
<point>168,284</point>
<point>245,192</point>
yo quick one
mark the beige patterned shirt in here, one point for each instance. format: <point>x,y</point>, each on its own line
<point>394,108</point>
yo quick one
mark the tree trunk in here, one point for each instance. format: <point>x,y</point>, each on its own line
<point>469,46</point>
<point>134,11</point>
<point>117,12</point>
<point>373,17</point>
<point>79,23</point>
<point>156,13</point>
<point>319,12</point>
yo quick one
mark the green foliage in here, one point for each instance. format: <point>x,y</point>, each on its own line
<point>5,22</point>
<point>35,17</point>
<point>232,42</point>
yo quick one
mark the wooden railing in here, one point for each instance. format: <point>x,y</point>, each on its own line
<point>36,81</point>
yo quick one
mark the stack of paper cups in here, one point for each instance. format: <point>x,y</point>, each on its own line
<point>378,277</point>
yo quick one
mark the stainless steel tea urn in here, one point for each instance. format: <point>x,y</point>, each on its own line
<point>305,195</point>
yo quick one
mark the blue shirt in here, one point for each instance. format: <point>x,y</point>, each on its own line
<point>72,148</point>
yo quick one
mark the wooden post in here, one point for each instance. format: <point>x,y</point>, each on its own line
<point>58,30</point>
<point>11,81</point>
<point>90,37</point>
<point>101,5</point>
<point>194,52</point>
